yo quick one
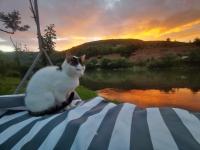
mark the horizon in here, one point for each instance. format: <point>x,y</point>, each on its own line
<point>78,22</point>
<point>105,40</point>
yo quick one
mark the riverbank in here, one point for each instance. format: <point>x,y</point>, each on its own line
<point>8,85</point>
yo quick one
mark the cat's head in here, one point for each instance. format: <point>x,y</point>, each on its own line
<point>74,66</point>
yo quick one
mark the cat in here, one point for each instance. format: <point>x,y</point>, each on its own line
<point>51,88</point>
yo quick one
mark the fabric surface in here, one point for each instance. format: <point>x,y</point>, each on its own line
<point>101,125</point>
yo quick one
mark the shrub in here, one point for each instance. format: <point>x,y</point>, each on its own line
<point>12,73</point>
<point>194,58</point>
<point>92,64</point>
<point>197,41</point>
<point>114,64</point>
<point>164,62</point>
<point>105,63</point>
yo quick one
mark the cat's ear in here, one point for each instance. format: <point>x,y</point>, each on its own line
<point>83,58</point>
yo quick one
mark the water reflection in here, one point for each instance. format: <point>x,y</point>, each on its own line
<point>165,80</point>
<point>169,88</point>
<point>181,98</point>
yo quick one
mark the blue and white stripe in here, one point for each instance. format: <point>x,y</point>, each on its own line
<point>98,124</point>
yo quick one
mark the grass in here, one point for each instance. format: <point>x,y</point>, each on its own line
<point>85,93</point>
<point>9,84</point>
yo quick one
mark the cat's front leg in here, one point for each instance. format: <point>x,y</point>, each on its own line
<point>73,102</point>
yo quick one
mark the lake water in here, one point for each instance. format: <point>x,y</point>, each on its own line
<point>166,88</point>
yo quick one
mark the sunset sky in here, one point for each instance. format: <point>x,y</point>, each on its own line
<point>80,21</point>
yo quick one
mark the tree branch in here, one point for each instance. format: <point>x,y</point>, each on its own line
<point>32,10</point>
<point>2,20</point>
<point>40,40</point>
<point>9,32</point>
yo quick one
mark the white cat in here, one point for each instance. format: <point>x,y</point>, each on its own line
<point>50,87</point>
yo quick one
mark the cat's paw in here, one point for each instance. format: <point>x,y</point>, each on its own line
<point>74,103</point>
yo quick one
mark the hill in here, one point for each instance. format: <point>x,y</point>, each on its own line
<point>132,49</point>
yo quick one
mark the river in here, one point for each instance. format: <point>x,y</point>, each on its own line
<point>159,88</point>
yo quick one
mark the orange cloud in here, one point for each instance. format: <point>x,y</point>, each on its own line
<point>146,33</point>
<point>81,21</point>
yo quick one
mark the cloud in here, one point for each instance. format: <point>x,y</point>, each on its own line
<point>79,21</point>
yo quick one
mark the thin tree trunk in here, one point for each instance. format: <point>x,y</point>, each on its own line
<point>16,52</point>
<point>39,32</point>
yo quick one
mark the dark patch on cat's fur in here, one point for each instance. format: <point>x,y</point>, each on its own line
<point>74,61</point>
<point>54,109</point>
<point>59,68</point>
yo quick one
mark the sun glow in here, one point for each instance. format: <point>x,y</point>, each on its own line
<point>6,48</point>
<point>145,35</point>
<point>143,32</point>
<point>182,27</point>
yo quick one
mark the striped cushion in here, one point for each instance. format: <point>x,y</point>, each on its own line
<point>10,101</point>
<point>102,125</point>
